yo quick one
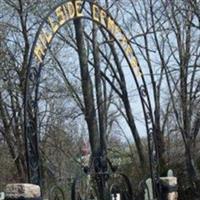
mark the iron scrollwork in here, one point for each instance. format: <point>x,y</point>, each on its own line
<point>31,94</point>
<point>31,129</point>
<point>56,193</point>
<point>101,170</point>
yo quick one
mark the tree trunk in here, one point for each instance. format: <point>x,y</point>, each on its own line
<point>103,191</point>
<point>14,150</point>
<point>90,112</point>
<point>87,88</point>
<point>192,170</point>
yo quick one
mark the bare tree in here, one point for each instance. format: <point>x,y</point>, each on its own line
<point>168,43</point>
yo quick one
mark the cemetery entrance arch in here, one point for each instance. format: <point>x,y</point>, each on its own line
<point>55,19</point>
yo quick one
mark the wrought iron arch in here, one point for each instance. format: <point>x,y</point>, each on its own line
<point>40,46</point>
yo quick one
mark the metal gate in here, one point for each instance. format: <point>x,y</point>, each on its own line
<point>44,36</point>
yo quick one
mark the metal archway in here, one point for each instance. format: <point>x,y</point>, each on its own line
<point>63,13</point>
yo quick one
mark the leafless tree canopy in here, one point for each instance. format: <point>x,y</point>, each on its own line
<point>87,93</point>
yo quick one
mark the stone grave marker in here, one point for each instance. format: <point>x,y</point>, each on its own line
<point>22,191</point>
<point>2,195</point>
<point>148,190</point>
<point>170,173</point>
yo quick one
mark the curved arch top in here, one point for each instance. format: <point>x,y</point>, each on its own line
<point>58,16</point>
<point>71,10</point>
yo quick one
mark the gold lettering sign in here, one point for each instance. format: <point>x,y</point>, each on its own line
<point>118,32</point>
<point>39,52</point>
<point>65,10</point>
<point>124,40</point>
<point>103,17</point>
<point>54,25</point>
<point>95,12</point>
<point>46,37</point>
<point>112,26</point>
<point>133,62</point>
<point>60,14</point>
<point>128,50</point>
<point>72,9</point>
<point>78,6</point>
<point>43,40</point>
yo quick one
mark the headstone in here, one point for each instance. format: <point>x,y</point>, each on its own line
<point>149,190</point>
<point>170,173</point>
<point>2,195</point>
<point>116,196</point>
<point>169,185</point>
<point>22,191</point>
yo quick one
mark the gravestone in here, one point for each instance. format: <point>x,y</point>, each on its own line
<point>170,186</point>
<point>22,191</point>
<point>148,190</point>
<point>170,173</point>
<point>2,195</point>
<point>116,196</point>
